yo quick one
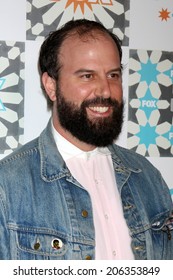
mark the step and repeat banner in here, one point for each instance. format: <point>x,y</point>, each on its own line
<point>146,31</point>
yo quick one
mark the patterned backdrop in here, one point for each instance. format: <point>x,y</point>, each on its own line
<point>145,28</point>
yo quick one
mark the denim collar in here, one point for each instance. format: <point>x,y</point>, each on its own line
<point>53,166</point>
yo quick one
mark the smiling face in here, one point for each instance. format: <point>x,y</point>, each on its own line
<point>89,82</point>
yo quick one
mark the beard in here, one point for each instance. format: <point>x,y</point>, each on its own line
<point>99,132</point>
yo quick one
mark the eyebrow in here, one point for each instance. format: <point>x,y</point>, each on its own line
<point>119,69</point>
<point>83,70</point>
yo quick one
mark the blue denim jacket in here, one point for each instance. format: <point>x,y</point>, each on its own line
<point>40,201</point>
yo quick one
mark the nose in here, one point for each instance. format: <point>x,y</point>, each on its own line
<point>103,88</point>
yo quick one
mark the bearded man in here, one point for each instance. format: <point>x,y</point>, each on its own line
<point>73,183</point>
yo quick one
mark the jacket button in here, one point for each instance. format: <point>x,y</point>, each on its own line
<point>138,248</point>
<point>84,214</point>
<point>36,246</point>
<point>88,257</point>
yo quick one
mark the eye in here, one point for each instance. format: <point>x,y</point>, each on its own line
<point>115,75</point>
<point>87,76</point>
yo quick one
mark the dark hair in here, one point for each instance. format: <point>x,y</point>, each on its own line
<point>49,51</point>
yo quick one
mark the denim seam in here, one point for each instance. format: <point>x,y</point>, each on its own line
<point>17,156</point>
<point>71,238</point>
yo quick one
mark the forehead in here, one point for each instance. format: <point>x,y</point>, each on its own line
<point>79,46</point>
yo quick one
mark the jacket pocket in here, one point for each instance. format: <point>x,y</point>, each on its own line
<point>154,240</point>
<point>38,244</point>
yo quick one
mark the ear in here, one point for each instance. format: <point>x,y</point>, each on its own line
<point>49,86</point>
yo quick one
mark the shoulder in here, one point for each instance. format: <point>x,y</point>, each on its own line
<point>132,160</point>
<point>25,151</point>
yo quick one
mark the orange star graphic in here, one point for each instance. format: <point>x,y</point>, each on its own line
<point>80,3</point>
<point>164,14</point>
<point>106,3</point>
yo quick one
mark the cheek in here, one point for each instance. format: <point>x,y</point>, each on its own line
<point>117,92</point>
<point>75,92</point>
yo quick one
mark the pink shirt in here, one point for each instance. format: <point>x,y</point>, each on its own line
<point>94,171</point>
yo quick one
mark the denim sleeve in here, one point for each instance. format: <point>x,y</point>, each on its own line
<point>4,234</point>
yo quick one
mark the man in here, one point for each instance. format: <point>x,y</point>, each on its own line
<point>73,184</point>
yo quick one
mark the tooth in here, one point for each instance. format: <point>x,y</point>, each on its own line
<point>99,109</point>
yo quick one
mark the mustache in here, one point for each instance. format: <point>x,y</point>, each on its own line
<point>100,101</point>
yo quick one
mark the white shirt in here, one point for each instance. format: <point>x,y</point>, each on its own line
<point>94,171</point>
